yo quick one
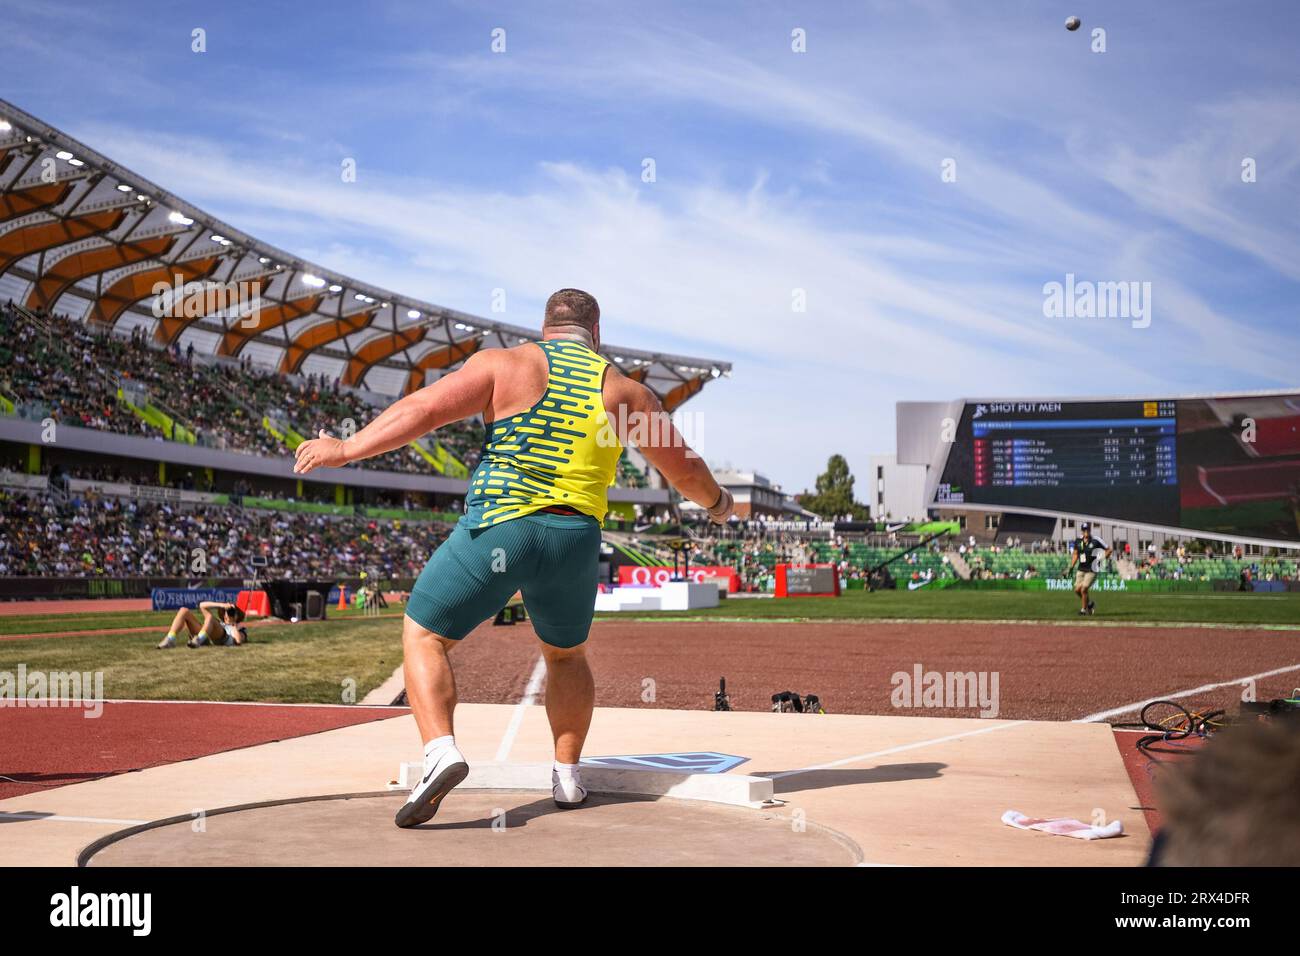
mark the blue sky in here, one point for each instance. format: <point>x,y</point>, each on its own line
<point>775,171</point>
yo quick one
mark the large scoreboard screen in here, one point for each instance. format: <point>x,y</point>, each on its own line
<point>1228,465</point>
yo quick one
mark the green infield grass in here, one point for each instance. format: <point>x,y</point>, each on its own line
<point>330,662</point>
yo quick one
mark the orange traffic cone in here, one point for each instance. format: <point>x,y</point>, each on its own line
<point>343,597</point>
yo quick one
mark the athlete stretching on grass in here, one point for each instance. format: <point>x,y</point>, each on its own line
<point>1084,553</point>
<point>220,626</point>
<point>555,411</point>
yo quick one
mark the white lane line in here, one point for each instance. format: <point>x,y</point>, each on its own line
<point>531,690</point>
<point>1204,688</point>
<point>56,818</point>
<point>895,750</point>
<point>1020,622</point>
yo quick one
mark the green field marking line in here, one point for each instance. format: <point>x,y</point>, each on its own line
<point>608,616</point>
<point>632,553</point>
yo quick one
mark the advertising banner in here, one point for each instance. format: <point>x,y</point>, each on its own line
<point>637,575</point>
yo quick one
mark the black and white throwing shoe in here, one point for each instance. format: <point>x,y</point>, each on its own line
<point>447,770</point>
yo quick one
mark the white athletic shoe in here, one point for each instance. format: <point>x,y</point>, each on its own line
<point>446,771</point>
<point>568,791</point>
<point>166,642</point>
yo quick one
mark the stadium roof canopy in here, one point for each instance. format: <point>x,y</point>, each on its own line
<point>84,236</point>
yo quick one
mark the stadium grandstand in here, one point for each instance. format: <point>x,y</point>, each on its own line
<point>158,367</point>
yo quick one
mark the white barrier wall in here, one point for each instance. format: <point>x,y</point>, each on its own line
<point>672,596</point>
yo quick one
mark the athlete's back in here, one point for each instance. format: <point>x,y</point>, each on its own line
<point>548,443</point>
<point>556,412</point>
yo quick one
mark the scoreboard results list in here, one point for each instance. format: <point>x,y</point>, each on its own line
<point>1116,458</point>
<point>1033,452</point>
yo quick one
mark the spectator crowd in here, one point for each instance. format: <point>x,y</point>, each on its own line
<point>92,536</point>
<point>62,369</point>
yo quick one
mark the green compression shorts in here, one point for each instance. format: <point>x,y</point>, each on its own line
<point>553,559</point>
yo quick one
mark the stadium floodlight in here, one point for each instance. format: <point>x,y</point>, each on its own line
<point>218,238</point>
<point>123,188</point>
<point>75,162</point>
<point>412,313</point>
<point>63,154</point>
<point>314,281</point>
<point>263,260</point>
<point>4,126</point>
<point>715,371</point>
<point>141,197</point>
<point>180,218</point>
<point>336,288</point>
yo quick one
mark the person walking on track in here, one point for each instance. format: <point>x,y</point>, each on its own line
<point>1084,552</point>
<point>557,415</point>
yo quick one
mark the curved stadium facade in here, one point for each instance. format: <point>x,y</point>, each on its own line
<point>86,241</point>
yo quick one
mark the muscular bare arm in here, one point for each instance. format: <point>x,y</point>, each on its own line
<point>639,416</point>
<point>461,394</point>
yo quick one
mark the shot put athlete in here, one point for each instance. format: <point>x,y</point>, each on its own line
<point>555,411</point>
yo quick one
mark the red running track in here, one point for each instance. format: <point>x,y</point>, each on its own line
<point>43,747</point>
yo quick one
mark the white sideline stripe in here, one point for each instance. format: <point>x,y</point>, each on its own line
<point>898,749</point>
<point>56,818</point>
<point>1072,621</point>
<point>531,690</point>
<point>1115,712</point>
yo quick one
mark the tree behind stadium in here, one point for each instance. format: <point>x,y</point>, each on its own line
<point>834,497</point>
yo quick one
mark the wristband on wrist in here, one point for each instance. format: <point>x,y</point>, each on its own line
<point>718,506</point>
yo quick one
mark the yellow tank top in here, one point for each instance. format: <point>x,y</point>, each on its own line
<point>562,451</point>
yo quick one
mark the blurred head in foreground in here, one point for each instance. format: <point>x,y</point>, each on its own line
<point>1237,803</point>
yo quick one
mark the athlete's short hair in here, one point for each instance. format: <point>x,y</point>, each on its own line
<point>570,307</point>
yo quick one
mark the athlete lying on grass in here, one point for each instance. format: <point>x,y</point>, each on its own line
<point>220,626</point>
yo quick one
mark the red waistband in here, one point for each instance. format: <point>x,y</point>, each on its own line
<point>560,510</point>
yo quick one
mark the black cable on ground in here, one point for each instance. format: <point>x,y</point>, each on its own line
<point>1179,725</point>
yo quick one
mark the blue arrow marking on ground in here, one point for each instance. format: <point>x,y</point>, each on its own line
<point>697,762</point>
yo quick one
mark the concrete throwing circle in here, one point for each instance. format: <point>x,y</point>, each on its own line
<point>478,828</point>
